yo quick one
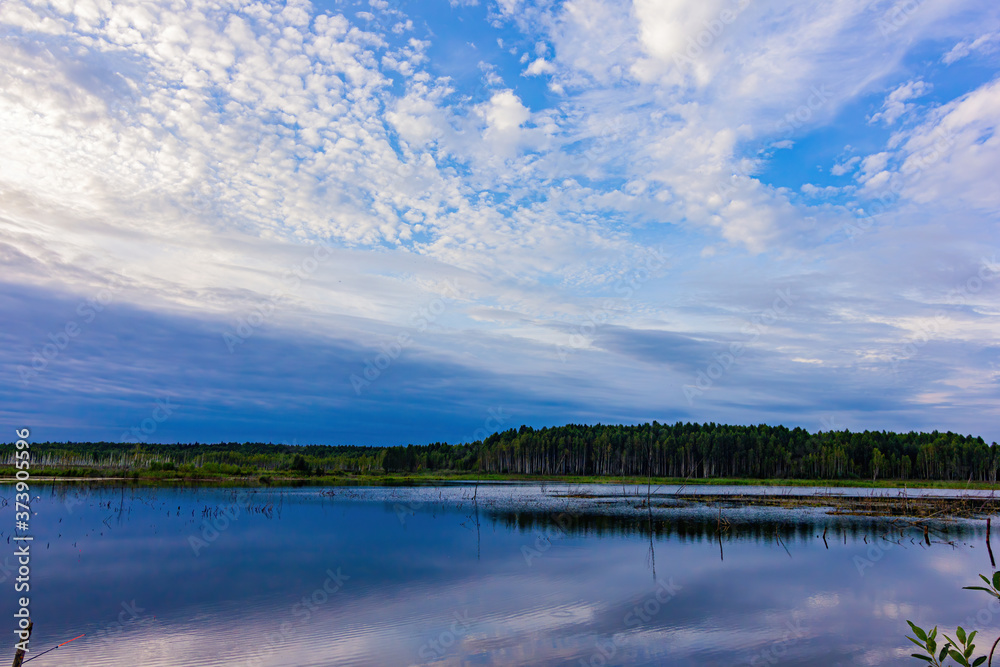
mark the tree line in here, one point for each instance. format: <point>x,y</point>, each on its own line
<point>681,450</point>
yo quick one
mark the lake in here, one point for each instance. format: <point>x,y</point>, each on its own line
<point>499,574</point>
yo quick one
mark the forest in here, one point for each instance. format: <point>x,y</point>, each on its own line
<point>681,450</point>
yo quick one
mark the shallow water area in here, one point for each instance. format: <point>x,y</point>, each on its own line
<point>488,574</point>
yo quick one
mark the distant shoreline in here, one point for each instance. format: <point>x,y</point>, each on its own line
<point>268,478</point>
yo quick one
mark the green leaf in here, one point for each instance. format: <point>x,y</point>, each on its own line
<point>956,656</point>
<point>977,588</point>
<point>921,657</point>
<point>980,660</point>
<point>961,634</point>
<point>918,631</point>
<point>920,644</point>
<point>996,580</point>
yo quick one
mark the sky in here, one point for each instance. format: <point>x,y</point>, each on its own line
<point>395,222</point>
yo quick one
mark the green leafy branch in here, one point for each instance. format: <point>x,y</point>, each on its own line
<point>959,651</point>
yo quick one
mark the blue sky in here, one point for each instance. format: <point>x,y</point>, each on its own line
<point>388,222</point>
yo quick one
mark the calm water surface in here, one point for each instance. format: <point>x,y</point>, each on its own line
<point>503,575</point>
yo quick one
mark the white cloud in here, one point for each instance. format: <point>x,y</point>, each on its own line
<point>490,75</point>
<point>201,147</point>
<point>539,67</point>
<point>954,155</point>
<point>846,166</point>
<point>505,112</point>
<point>897,102</point>
<point>811,190</point>
<point>986,43</point>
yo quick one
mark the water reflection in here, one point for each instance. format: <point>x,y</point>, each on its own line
<point>760,528</point>
<point>497,575</point>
